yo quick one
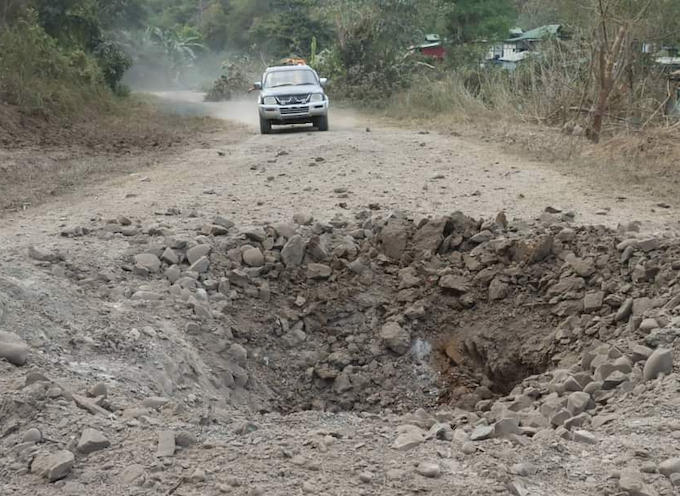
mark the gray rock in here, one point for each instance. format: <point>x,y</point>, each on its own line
<point>253,257</point>
<point>614,380</point>
<point>285,230</point>
<point>166,444</point>
<point>97,390</point>
<point>578,402</point>
<point>481,432</point>
<point>148,261</point>
<point>303,219</point>
<point>396,338</point>
<point>640,353</point>
<point>560,417</point>
<point>584,437</point>
<point>592,302</point>
<point>524,469</point>
<point>625,310</point>
<point>660,362</point>
<point>631,481</point>
<point>197,252</point>
<point>457,284</point>
<point>318,271</point>
<point>468,448</point>
<point>147,296</point>
<point>185,439</point>
<point>92,440</point>
<point>649,244</point>
<point>41,255</point>
<point>223,222</point>
<point>32,435</point>
<point>429,470</point>
<point>173,274</point>
<point>13,349</point>
<point>394,238</point>
<point>669,467</point>
<point>201,265</point>
<point>170,256</point>
<point>293,252</point>
<point>410,436</point>
<point>238,353</point>
<point>55,466</point>
<point>505,427</point>
<point>577,421</point>
<point>155,401</point>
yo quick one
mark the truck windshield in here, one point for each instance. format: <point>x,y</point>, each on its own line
<point>289,78</point>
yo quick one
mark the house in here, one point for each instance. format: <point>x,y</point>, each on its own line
<point>432,47</point>
<point>523,45</point>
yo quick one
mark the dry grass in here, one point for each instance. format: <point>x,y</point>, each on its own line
<point>42,158</point>
<point>526,113</point>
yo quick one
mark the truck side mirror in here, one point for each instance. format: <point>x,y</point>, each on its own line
<point>323,82</point>
<point>257,86</point>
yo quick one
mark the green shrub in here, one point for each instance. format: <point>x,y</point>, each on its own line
<point>37,74</point>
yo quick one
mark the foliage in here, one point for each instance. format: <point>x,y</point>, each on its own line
<point>37,74</point>
<point>472,20</point>
<point>232,82</point>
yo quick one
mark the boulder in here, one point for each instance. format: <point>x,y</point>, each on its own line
<point>92,440</point>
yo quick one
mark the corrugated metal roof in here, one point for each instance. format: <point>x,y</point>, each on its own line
<point>541,33</point>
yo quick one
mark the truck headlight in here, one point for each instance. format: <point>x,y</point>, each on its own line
<point>317,97</point>
<point>269,100</point>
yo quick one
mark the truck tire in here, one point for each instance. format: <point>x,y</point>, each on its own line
<point>265,126</point>
<point>321,123</point>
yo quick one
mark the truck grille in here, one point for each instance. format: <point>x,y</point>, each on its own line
<point>294,110</point>
<point>293,99</point>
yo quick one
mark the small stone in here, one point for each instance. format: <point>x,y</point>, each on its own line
<point>669,467</point>
<point>253,257</point>
<point>318,271</point>
<point>593,302</point>
<point>481,432</point>
<point>170,256</point>
<point>197,252</point>
<point>468,448</point>
<point>395,338</point>
<point>97,390</point>
<point>198,475</point>
<point>505,427</point>
<point>32,435</point>
<point>648,325</point>
<point>166,444</point>
<point>303,219</point>
<point>201,265</point>
<point>223,222</point>
<point>584,437</point>
<point>409,438</point>
<point>366,477</point>
<point>155,401</point>
<point>173,274</point>
<point>148,261</point>
<point>41,255</point>
<point>92,440</point>
<point>456,284</point>
<point>660,362</point>
<point>55,467</point>
<point>429,470</point>
<point>13,349</point>
<point>133,473</point>
<point>293,252</point>
<point>185,439</point>
<point>577,403</point>
<point>524,469</point>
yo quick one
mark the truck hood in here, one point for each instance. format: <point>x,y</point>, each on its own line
<point>292,90</point>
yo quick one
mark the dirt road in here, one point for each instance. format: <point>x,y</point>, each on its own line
<point>166,335</point>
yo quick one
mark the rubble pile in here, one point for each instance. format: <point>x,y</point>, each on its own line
<point>488,329</point>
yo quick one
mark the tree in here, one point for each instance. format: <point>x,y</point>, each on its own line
<point>471,20</point>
